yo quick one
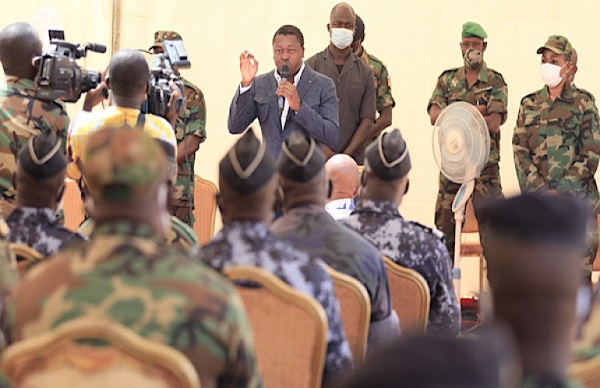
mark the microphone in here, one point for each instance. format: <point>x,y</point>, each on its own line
<point>285,73</point>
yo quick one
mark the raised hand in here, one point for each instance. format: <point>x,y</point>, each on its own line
<point>248,68</point>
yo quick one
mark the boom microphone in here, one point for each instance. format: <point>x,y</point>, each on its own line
<point>285,73</point>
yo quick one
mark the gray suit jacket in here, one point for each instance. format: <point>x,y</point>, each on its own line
<point>317,116</point>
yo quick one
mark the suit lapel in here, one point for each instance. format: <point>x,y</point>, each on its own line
<point>305,82</point>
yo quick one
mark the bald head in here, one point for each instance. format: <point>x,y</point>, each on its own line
<point>128,73</point>
<point>341,7</point>
<point>19,44</point>
<point>342,171</point>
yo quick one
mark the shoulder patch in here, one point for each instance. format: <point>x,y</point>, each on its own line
<point>429,230</point>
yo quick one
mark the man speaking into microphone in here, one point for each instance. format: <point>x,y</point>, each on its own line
<point>291,97</point>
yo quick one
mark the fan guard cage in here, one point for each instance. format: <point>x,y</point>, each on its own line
<point>461,142</point>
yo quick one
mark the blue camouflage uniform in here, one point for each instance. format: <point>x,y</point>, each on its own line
<point>251,243</point>
<point>416,247</point>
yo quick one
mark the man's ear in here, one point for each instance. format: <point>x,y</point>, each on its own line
<point>329,188</point>
<point>328,27</point>
<point>484,46</point>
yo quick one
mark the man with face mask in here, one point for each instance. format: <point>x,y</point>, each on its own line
<point>301,100</point>
<point>353,81</point>
<point>556,141</point>
<point>485,88</point>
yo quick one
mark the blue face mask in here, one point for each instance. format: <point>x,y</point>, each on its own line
<point>341,37</point>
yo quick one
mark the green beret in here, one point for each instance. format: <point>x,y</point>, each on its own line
<point>557,44</point>
<point>472,29</point>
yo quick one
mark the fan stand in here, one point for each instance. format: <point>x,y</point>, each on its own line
<point>458,207</point>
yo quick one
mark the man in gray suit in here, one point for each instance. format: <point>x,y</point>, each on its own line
<point>306,101</point>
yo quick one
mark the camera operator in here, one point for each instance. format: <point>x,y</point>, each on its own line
<point>22,113</point>
<point>190,131</point>
<point>128,79</point>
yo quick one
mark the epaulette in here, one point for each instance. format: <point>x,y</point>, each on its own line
<point>583,91</point>
<point>433,231</point>
<point>453,70</point>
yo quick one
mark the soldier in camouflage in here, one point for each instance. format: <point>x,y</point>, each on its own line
<point>247,175</point>
<point>128,274</point>
<point>383,84</point>
<point>485,88</point>
<point>22,114</point>
<point>414,246</point>
<point>307,225</point>
<point>40,184</point>
<point>556,142</point>
<point>190,132</point>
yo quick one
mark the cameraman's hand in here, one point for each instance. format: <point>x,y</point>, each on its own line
<point>248,68</point>
<point>172,112</point>
<point>95,96</point>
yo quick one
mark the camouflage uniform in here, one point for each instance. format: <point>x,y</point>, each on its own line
<point>557,146</point>
<point>39,229</point>
<point>313,230</point>
<point>383,82</point>
<point>416,247</point>
<point>179,236</point>
<point>128,274</point>
<point>192,123</point>
<point>489,90</point>
<point>22,115</point>
<point>251,243</point>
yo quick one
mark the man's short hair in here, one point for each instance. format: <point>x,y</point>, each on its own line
<point>289,29</point>
<point>128,73</point>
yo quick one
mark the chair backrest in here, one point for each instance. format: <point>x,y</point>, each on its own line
<point>470,224</point>
<point>59,358</point>
<point>355,311</point>
<point>410,297</point>
<point>73,205</point>
<point>586,372</point>
<point>205,209</point>
<point>289,328</point>
<point>26,257</point>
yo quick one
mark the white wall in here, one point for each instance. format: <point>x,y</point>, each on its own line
<point>416,39</point>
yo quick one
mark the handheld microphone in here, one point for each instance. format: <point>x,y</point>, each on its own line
<point>285,73</point>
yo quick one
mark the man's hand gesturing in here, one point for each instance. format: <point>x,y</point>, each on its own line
<point>248,68</point>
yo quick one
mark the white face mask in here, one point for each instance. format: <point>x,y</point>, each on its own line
<point>341,37</point>
<point>550,74</point>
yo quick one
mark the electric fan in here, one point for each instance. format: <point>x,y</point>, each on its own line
<point>461,147</point>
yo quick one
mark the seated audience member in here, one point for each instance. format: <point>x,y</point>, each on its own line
<point>588,345</point>
<point>40,184</point>
<point>128,76</point>
<point>376,217</point>
<point>533,246</point>
<point>127,273</point>
<point>179,234</point>
<point>247,175</point>
<point>342,172</point>
<point>307,225</point>
<point>438,362</point>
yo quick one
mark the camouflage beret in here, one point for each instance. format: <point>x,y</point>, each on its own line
<point>557,44</point>
<point>121,163</point>
<point>248,165</point>
<point>359,31</point>
<point>472,29</point>
<point>161,36</point>
<point>301,157</point>
<point>560,219</point>
<point>388,156</point>
<point>43,156</point>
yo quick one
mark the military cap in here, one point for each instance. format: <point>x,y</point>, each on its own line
<point>388,156</point>
<point>301,157</point>
<point>557,44</point>
<point>472,29</point>
<point>535,217</point>
<point>43,156</point>
<point>120,163</point>
<point>248,165</point>
<point>359,31</point>
<point>161,36</point>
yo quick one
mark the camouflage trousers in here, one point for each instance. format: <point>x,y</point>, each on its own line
<point>486,186</point>
<point>182,206</point>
